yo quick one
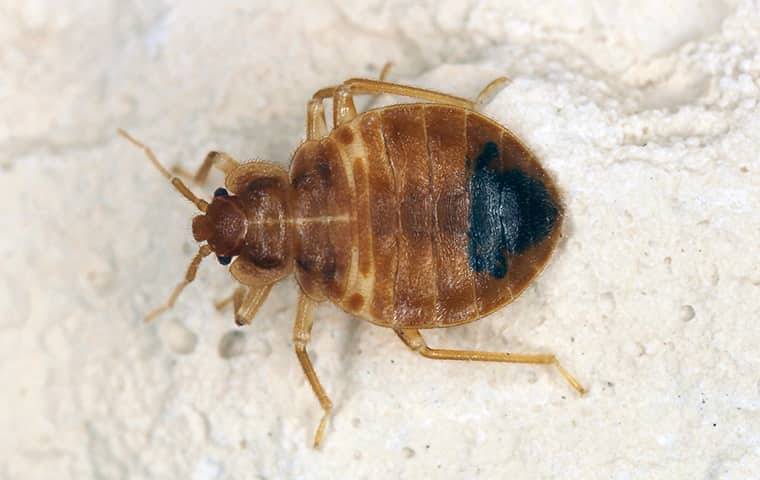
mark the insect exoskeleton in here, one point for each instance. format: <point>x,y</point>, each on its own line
<point>410,216</point>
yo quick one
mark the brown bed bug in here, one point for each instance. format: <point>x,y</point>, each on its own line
<point>409,216</point>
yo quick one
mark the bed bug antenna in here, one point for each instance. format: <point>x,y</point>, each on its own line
<point>201,204</point>
<point>203,252</point>
<point>176,182</point>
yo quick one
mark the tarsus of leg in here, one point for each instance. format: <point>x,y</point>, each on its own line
<point>490,88</point>
<point>201,204</point>
<point>385,71</point>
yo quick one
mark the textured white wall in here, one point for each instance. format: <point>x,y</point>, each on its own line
<point>647,115</point>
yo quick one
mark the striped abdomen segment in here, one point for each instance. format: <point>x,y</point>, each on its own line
<point>406,253</point>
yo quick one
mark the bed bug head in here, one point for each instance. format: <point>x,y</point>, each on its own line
<point>223,226</point>
<point>222,223</point>
<point>249,219</point>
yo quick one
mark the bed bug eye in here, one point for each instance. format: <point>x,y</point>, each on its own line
<point>224,260</point>
<point>220,192</point>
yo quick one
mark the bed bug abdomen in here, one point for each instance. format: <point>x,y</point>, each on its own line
<point>420,216</point>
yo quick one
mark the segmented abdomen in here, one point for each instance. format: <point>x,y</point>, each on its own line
<point>389,216</point>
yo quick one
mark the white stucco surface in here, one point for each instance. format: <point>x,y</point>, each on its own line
<point>646,114</point>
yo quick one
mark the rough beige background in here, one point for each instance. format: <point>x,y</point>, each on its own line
<point>647,114</point>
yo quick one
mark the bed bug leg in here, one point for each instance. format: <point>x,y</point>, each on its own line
<point>342,102</point>
<point>363,86</point>
<point>248,305</point>
<point>301,335</point>
<point>220,160</point>
<point>246,302</point>
<point>343,105</point>
<point>413,339</point>
<point>386,70</point>
<point>235,299</point>
<point>491,89</point>
<point>192,269</point>
<point>316,126</point>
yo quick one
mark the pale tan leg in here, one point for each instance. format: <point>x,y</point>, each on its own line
<point>329,92</point>
<point>363,86</point>
<point>343,110</point>
<point>385,71</point>
<point>236,299</point>
<point>246,302</point>
<point>220,160</point>
<point>413,339</point>
<point>316,126</point>
<point>192,269</point>
<point>301,335</point>
<point>343,105</point>
<point>489,89</point>
<point>250,303</point>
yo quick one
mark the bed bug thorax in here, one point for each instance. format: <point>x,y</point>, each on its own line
<point>409,216</point>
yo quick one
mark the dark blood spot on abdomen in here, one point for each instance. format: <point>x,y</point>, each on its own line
<point>509,213</point>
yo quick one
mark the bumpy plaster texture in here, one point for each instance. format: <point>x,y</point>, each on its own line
<point>646,112</point>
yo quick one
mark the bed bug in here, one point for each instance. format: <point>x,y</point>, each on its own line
<point>410,216</point>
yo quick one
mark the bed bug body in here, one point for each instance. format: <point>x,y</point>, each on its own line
<point>410,216</point>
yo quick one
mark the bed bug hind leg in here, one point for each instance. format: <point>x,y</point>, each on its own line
<point>414,340</point>
<point>301,336</point>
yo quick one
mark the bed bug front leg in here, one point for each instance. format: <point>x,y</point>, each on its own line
<point>249,304</point>
<point>413,339</point>
<point>301,336</point>
<point>246,302</point>
<point>220,160</point>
